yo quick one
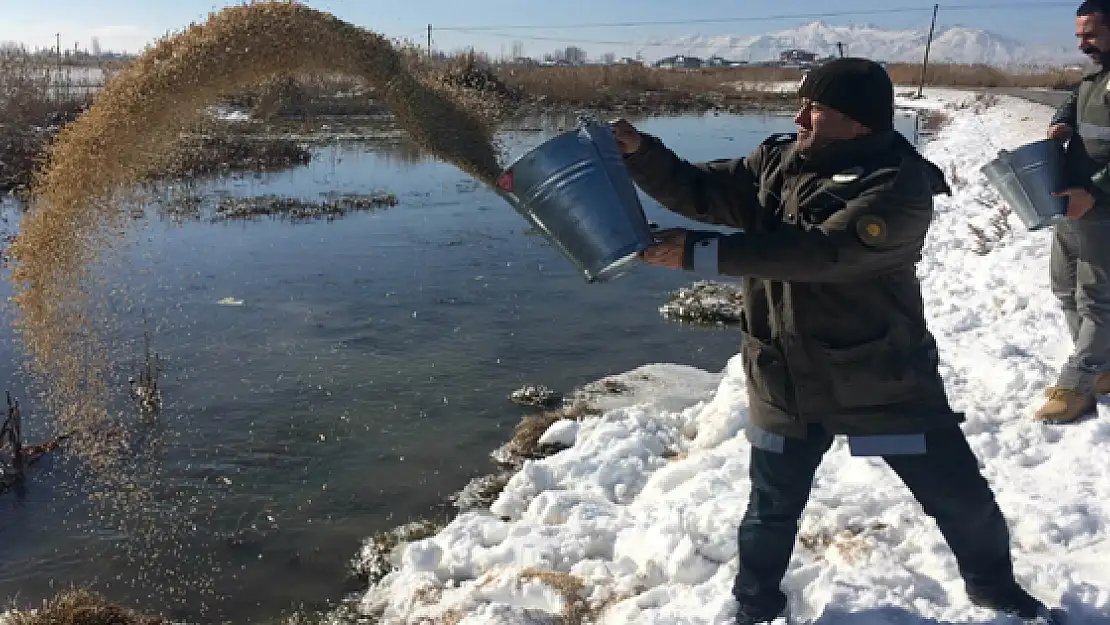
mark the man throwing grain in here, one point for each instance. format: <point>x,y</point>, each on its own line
<point>834,339</point>
<point>1080,260</point>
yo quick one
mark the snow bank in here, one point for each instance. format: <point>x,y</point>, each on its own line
<point>636,522</point>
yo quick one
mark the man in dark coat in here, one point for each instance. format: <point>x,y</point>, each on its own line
<point>1079,266</point>
<point>834,337</point>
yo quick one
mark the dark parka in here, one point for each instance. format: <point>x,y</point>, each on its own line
<point>833,327</point>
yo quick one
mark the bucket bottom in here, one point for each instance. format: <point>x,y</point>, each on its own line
<point>615,269</point>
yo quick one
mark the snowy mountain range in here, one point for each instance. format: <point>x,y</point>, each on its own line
<point>951,44</point>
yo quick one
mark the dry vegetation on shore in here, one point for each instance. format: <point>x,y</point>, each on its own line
<point>617,87</point>
<point>79,607</point>
<point>30,116</point>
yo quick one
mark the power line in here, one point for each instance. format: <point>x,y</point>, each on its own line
<point>766,18</point>
<point>490,33</point>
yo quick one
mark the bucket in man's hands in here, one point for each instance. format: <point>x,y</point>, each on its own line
<point>575,189</point>
<point>1027,177</point>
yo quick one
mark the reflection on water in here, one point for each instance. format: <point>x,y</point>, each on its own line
<point>362,378</point>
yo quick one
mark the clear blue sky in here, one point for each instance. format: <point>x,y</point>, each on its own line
<point>130,24</point>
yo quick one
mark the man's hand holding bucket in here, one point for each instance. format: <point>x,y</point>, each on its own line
<point>670,249</point>
<point>628,138</point>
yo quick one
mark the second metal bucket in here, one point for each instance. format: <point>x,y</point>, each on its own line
<point>1026,178</point>
<point>575,190</point>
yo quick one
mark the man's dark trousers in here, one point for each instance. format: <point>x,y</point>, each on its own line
<point>945,480</point>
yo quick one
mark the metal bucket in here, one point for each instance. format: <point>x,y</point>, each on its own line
<point>575,189</point>
<point>1026,179</point>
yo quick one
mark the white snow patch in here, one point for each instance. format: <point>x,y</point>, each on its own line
<point>563,433</point>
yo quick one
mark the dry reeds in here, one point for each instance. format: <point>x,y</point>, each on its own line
<point>27,111</point>
<point>81,607</point>
<point>623,85</point>
<point>132,130</point>
<point>570,587</point>
<point>982,76</point>
<point>609,84</point>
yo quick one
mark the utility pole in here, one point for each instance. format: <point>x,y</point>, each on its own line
<point>429,41</point>
<point>928,43</point>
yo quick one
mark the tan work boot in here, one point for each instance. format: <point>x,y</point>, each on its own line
<point>1064,405</point>
<point>1102,384</point>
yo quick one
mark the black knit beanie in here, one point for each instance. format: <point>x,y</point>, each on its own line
<point>859,88</point>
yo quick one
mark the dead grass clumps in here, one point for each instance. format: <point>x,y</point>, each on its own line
<point>132,129</point>
<point>219,152</point>
<point>997,228</point>
<point>304,96</point>
<point>852,544</point>
<point>980,103</point>
<point>481,492</point>
<point>298,210</point>
<point>625,86</point>
<point>467,72</point>
<point>29,116</point>
<point>932,121</point>
<point>981,76</point>
<point>25,92</point>
<point>525,443</point>
<point>81,607</point>
<point>536,395</point>
<point>576,610</point>
<point>705,303</point>
<point>375,560</point>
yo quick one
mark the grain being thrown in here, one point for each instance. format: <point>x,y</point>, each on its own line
<point>78,199</point>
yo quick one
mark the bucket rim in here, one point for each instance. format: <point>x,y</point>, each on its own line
<point>582,123</point>
<point>1039,144</point>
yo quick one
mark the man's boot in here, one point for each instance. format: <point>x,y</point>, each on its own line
<point>1009,598</point>
<point>1102,384</point>
<point>762,611</point>
<point>1064,405</point>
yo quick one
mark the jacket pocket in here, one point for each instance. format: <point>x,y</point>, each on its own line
<point>765,369</point>
<point>871,374</point>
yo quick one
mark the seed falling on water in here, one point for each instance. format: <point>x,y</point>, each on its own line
<point>79,206</point>
<point>78,199</point>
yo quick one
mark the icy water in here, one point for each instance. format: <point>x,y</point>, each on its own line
<point>360,380</point>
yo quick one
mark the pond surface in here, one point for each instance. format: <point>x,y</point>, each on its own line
<point>361,378</point>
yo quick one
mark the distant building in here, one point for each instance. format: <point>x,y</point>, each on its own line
<point>795,56</point>
<point>680,62</point>
<point>717,61</point>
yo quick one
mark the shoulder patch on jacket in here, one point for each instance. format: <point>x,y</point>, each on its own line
<point>871,229</point>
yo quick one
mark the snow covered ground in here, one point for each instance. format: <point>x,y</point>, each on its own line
<point>636,521</point>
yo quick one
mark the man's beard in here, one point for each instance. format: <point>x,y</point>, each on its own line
<point>1099,56</point>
